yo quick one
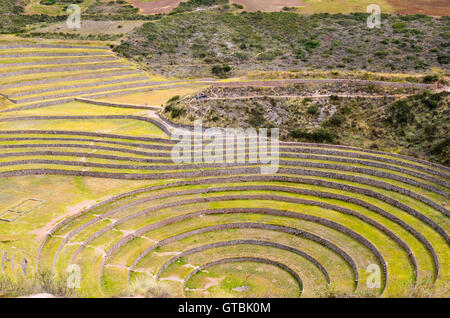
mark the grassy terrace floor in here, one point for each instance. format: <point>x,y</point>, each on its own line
<point>37,75</point>
<point>116,205</point>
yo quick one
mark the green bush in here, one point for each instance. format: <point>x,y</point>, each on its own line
<point>399,112</point>
<point>381,54</point>
<point>399,26</point>
<point>221,71</point>
<point>334,98</point>
<point>174,99</point>
<point>42,282</point>
<point>441,146</point>
<point>335,120</point>
<point>430,79</point>
<point>443,59</point>
<point>320,135</point>
<point>256,117</point>
<point>313,110</point>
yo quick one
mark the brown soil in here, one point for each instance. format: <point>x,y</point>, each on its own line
<point>429,7</point>
<point>268,5</point>
<point>157,6</point>
<point>164,6</point>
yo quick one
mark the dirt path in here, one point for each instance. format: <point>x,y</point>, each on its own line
<point>298,96</point>
<point>41,232</point>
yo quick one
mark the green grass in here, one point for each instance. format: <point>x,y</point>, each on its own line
<point>262,280</point>
<point>114,126</point>
<point>68,195</point>
<point>415,246</point>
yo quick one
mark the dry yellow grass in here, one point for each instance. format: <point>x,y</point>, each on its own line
<point>152,98</point>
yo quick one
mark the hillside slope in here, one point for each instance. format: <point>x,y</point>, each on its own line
<point>191,44</point>
<point>352,115</point>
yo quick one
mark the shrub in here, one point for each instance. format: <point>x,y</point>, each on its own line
<point>174,99</point>
<point>320,135</point>
<point>177,112</point>
<point>256,118</point>
<point>400,112</point>
<point>221,71</point>
<point>241,56</point>
<point>335,120</point>
<point>443,59</point>
<point>430,78</point>
<point>42,282</point>
<point>441,146</point>
<point>313,110</point>
<point>345,110</point>
<point>399,26</point>
<point>334,98</point>
<point>381,54</point>
<point>269,55</point>
<point>172,108</point>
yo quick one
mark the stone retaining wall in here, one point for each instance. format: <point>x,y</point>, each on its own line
<point>50,46</point>
<point>380,211</point>
<point>170,161</point>
<point>173,167</point>
<point>71,78</point>
<point>363,156</point>
<point>64,69</point>
<point>85,133</point>
<point>320,194</point>
<point>110,104</point>
<point>296,215</point>
<point>217,172</point>
<point>32,54</point>
<point>112,142</point>
<point>141,118</point>
<point>331,146</point>
<point>59,61</point>
<point>82,92</point>
<point>247,259</point>
<point>262,226</point>
<point>38,105</point>
<point>58,88</point>
<point>287,179</point>
<point>245,242</point>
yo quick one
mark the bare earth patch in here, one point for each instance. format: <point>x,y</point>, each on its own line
<point>429,7</point>
<point>94,27</point>
<point>164,6</point>
<point>268,5</point>
<point>241,289</point>
<point>43,295</point>
<point>157,6</point>
<point>40,232</point>
<point>213,282</point>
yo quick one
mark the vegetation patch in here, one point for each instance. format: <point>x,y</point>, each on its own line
<point>190,43</point>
